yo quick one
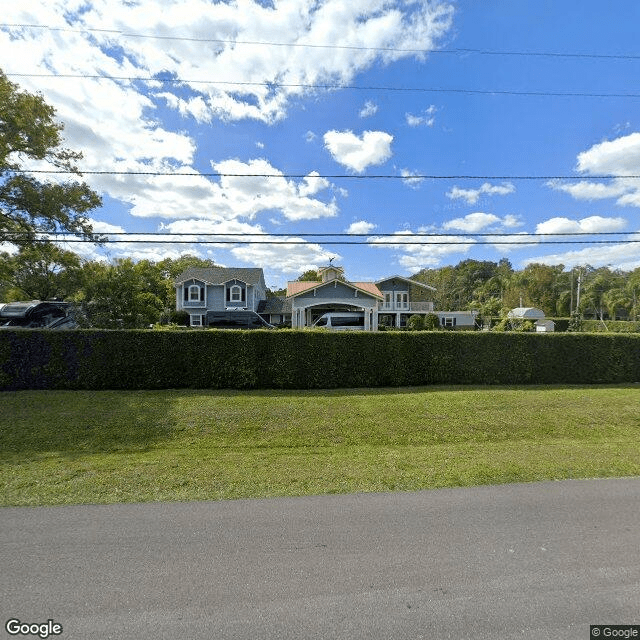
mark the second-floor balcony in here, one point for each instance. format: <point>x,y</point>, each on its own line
<point>408,307</point>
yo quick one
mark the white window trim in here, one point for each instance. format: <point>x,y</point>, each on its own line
<point>194,288</point>
<point>235,290</point>
<point>195,320</point>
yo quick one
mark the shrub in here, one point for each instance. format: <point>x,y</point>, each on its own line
<point>101,359</point>
<point>432,322</point>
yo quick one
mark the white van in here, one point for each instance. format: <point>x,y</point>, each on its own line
<point>341,321</point>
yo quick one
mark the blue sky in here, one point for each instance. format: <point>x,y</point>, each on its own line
<point>472,69</point>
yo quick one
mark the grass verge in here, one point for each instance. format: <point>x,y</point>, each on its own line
<point>72,447</point>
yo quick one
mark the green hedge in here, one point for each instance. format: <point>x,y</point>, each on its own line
<point>89,359</point>
<point>613,326</point>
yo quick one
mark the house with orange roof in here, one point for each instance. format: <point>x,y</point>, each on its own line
<point>311,300</point>
<point>205,293</point>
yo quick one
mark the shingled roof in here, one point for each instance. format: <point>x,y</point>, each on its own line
<point>277,304</point>
<point>220,275</point>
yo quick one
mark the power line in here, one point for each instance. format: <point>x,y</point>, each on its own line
<point>396,235</point>
<point>390,239</point>
<point>286,85</point>
<point>338,242</point>
<point>454,51</point>
<point>220,174</point>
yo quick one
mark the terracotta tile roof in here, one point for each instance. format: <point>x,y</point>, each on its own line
<point>295,288</point>
<point>369,287</point>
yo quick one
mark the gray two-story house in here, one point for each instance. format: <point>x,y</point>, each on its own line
<point>213,289</point>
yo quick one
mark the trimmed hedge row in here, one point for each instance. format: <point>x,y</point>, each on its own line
<point>90,359</point>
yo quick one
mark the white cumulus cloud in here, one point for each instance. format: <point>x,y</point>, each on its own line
<point>361,226</point>
<point>618,157</point>
<point>369,109</point>
<point>476,222</point>
<point>415,252</point>
<point>411,178</point>
<point>358,152</point>
<point>591,224</point>
<point>425,119</point>
<point>471,196</point>
<point>473,222</point>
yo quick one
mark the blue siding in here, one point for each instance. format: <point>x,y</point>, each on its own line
<point>215,297</point>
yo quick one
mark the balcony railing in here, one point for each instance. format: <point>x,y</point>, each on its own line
<point>424,307</point>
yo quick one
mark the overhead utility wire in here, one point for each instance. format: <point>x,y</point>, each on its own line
<point>396,235</point>
<point>285,85</point>
<point>217,174</point>
<point>455,51</point>
<point>337,242</point>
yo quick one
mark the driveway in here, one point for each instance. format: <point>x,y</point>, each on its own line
<point>533,561</point>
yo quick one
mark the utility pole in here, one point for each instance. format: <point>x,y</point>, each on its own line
<point>571,303</point>
<point>578,292</point>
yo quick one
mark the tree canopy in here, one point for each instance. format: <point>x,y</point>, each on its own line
<point>129,294</point>
<point>28,206</point>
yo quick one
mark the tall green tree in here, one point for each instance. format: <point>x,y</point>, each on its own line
<point>171,268</point>
<point>309,276</point>
<point>124,295</point>
<point>28,206</point>
<point>595,286</point>
<point>40,272</point>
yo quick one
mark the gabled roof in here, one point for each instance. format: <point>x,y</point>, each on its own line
<point>220,275</point>
<point>277,304</point>
<point>419,284</point>
<point>296,288</point>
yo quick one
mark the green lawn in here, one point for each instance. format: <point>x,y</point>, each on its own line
<point>69,447</point>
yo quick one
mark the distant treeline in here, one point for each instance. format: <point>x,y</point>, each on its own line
<point>129,294</point>
<point>493,288</point>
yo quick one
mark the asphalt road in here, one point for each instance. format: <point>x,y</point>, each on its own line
<point>540,561</point>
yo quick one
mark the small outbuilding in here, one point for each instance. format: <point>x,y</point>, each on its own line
<point>545,326</point>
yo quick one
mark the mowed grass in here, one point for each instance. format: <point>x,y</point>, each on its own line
<point>73,447</point>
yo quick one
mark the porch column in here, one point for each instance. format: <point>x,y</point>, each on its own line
<point>367,316</point>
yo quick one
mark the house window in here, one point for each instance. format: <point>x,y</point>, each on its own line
<point>196,320</point>
<point>402,300</point>
<point>235,293</point>
<point>387,301</point>
<point>196,293</point>
<point>448,321</point>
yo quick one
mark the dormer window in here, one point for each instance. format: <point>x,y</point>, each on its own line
<point>235,293</point>
<point>193,293</point>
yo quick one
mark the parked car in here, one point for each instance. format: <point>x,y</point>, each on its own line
<point>341,321</point>
<point>236,320</point>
